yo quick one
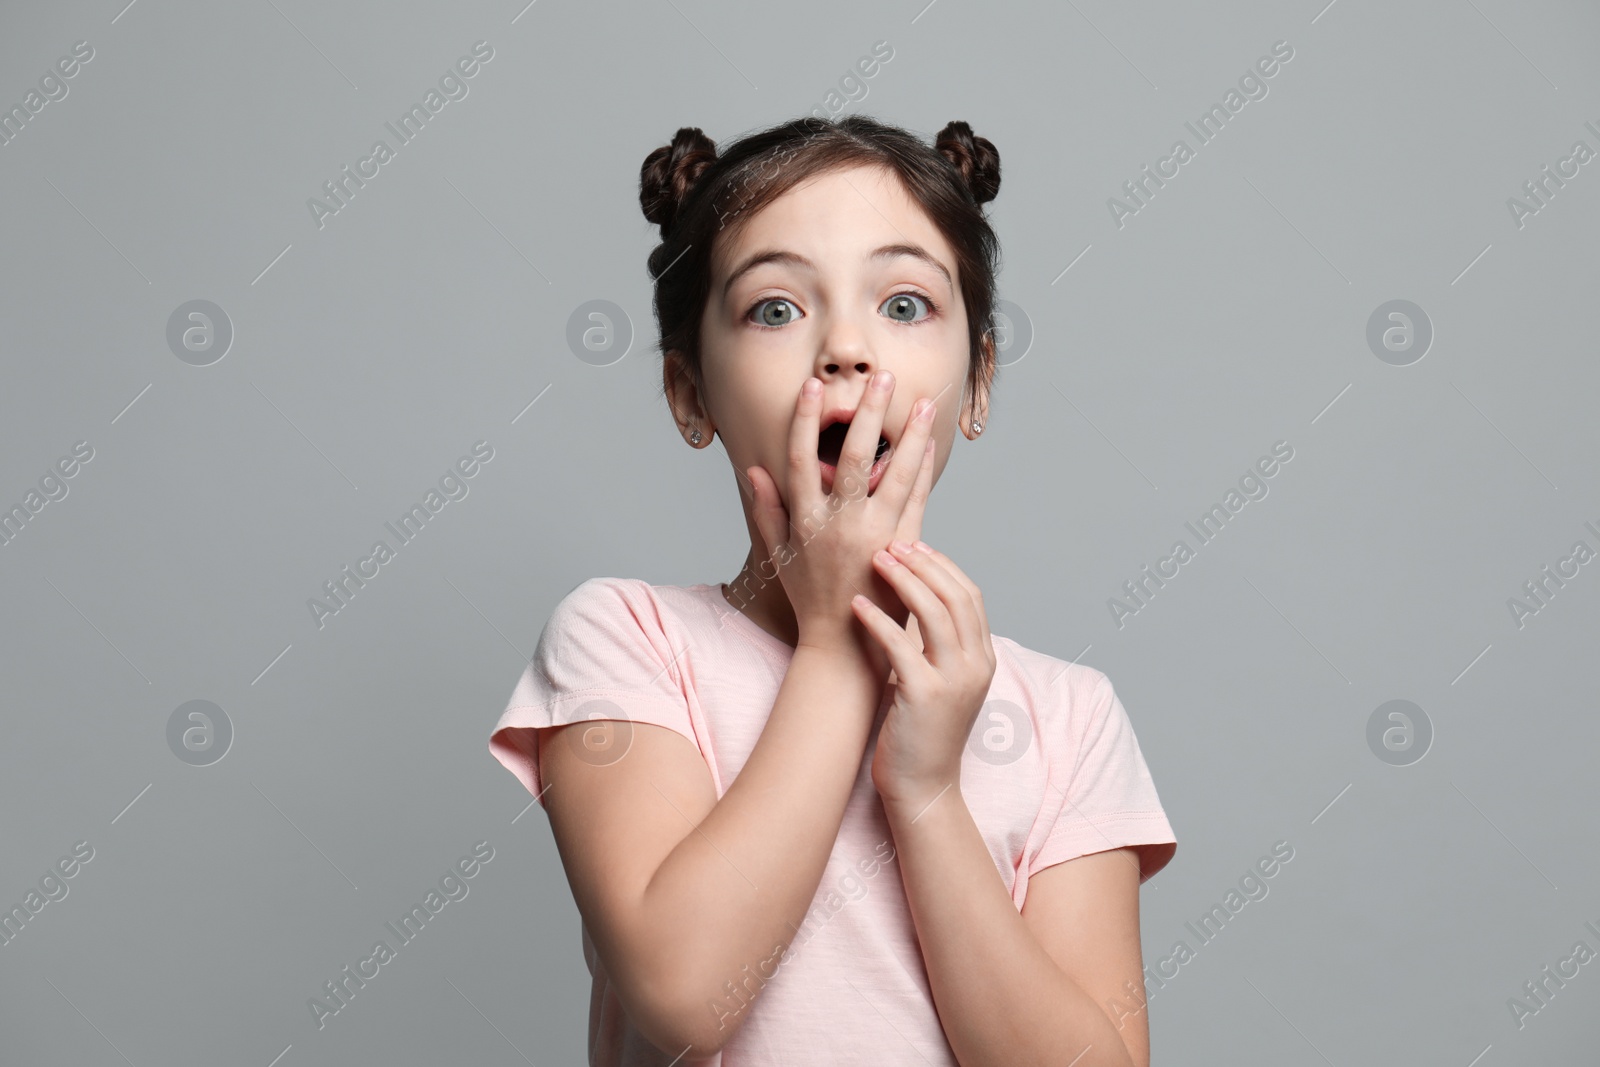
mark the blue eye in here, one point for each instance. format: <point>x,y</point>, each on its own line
<point>778,311</point>
<point>902,309</point>
<point>775,311</point>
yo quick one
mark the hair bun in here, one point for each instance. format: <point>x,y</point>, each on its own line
<point>975,157</point>
<point>669,173</point>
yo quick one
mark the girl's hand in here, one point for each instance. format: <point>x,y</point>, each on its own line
<point>941,688</point>
<point>821,543</point>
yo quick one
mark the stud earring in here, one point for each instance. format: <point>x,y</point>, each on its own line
<point>695,438</point>
<point>977,427</point>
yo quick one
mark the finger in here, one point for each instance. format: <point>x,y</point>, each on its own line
<point>909,529</point>
<point>861,439</point>
<point>948,565</point>
<point>905,464</point>
<point>758,505</point>
<point>747,488</point>
<point>771,519</point>
<point>939,633</point>
<point>805,470</point>
<point>965,622</point>
<point>902,653</point>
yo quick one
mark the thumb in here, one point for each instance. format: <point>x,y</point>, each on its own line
<point>771,518</point>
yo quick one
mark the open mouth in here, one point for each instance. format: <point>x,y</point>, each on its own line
<point>830,442</point>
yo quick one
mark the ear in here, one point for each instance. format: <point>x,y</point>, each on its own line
<point>683,397</point>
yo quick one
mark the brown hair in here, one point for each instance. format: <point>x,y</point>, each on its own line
<point>692,192</point>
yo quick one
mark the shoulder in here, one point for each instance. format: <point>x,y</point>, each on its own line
<point>609,612</point>
<point>1048,680</point>
<point>602,599</point>
<point>603,590</point>
<point>1069,700</point>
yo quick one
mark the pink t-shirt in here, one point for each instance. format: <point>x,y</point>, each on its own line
<point>1052,772</point>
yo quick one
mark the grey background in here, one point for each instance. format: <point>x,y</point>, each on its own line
<point>368,355</point>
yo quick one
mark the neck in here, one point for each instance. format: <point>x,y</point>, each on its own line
<point>762,599</point>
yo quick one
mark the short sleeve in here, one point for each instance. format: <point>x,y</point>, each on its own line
<point>604,654</point>
<point>1106,795</point>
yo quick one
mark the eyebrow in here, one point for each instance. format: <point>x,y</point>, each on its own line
<point>795,259</point>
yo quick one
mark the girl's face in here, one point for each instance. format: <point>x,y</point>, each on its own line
<point>838,278</point>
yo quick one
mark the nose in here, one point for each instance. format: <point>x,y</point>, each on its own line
<point>844,351</point>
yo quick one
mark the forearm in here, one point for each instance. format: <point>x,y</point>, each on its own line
<point>1001,998</point>
<point>732,894</point>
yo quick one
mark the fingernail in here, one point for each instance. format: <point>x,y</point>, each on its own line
<point>881,380</point>
<point>926,413</point>
<point>899,546</point>
<point>886,558</point>
<point>922,547</point>
<point>812,387</point>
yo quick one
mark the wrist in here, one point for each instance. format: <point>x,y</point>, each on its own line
<point>847,645</point>
<point>908,801</point>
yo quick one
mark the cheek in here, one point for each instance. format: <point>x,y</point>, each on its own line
<point>754,419</point>
<point>948,431</point>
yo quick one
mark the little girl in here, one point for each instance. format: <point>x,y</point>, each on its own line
<point>820,814</point>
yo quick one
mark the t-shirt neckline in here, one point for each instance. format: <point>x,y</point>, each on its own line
<point>743,623</point>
